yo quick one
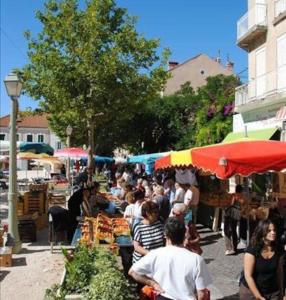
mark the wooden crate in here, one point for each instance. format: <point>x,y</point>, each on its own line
<point>27,228</point>
<point>5,256</point>
<point>34,202</point>
<point>1,237</point>
<point>20,208</point>
<point>59,200</point>
<point>41,222</point>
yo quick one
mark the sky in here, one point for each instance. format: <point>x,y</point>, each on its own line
<point>186,27</point>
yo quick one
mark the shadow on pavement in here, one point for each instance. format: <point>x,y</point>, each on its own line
<point>208,260</point>
<point>231,297</point>
<point>3,274</point>
<point>28,251</point>
<point>20,261</point>
<point>205,231</point>
<point>210,239</point>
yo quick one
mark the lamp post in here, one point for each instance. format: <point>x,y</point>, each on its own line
<point>13,86</point>
<point>69,133</point>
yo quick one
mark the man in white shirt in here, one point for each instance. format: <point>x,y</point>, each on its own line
<point>173,271</point>
<point>191,200</point>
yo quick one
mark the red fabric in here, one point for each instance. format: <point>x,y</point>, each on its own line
<point>163,162</point>
<point>242,158</point>
<point>71,152</point>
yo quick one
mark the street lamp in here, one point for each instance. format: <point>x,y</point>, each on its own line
<point>13,86</point>
<point>69,133</point>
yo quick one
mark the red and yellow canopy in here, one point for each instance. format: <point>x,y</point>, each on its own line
<point>225,160</point>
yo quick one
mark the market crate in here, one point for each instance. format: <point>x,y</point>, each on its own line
<point>5,256</point>
<point>34,202</point>
<point>27,228</point>
<point>1,237</point>
<point>20,208</point>
<point>43,187</point>
<point>59,200</point>
<point>42,221</point>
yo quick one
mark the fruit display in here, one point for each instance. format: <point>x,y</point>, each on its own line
<point>102,229</point>
<point>120,227</point>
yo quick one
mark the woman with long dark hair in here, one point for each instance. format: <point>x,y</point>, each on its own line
<point>262,263</point>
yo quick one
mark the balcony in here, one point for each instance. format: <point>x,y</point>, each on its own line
<point>252,26</point>
<point>266,89</point>
<point>279,11</point>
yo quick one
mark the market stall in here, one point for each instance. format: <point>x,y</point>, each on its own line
<point>245,158</point>
<point>148,160</point>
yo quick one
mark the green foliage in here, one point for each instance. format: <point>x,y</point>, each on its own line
<point>212,125</point>
<point>109,283</point>
<point>88,60</point>
<point>188,118</point>
<point>93,273</point>
<point>79,271</point>
<point>54,293</point>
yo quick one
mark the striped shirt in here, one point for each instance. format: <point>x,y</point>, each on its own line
<point>149,236</point>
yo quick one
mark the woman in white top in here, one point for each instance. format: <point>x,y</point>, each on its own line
<point>139,197</point>
<point>179,194</point>
<point>130,208</point>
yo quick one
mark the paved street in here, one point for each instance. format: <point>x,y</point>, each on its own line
<point>225,270</point>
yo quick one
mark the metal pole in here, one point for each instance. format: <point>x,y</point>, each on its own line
<point>12,192</point>
<point>247,193</point>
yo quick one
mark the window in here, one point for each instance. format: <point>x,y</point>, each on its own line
<point>59,145</point>
<point>40,138</point>
<point>17,137</point>
<point>281,62</point>
<point>2,136</point>
<point>29,138</point>
<point>260,72</point>
<point>280,7</point>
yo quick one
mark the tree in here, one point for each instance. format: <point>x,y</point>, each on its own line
<point>91,60</point>
<point>214,116</point>
<point>188,118</point>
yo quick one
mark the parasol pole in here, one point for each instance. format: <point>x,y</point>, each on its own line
<point>246,190</point>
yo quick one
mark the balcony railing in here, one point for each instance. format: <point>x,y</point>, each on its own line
<point>255,16</point>
<point>279,8</point>
<point>266,85</point>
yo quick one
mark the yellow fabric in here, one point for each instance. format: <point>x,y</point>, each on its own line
<point>30,155</point>
<point>181,158</point>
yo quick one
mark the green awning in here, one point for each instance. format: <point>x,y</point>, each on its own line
<point>263,134</point>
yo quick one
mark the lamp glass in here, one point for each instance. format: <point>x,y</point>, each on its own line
<point>69,130</point>
<point>222,162</point>
<point>13,85</point>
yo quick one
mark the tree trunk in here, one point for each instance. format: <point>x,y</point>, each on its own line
<point>90,161</point>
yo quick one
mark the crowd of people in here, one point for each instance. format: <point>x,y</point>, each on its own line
<point>167,256</point>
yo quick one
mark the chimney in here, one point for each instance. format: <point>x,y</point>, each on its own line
<point>172,64</point>
<point>218,58</point>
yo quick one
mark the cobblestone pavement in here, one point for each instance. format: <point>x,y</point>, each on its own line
<point>225,270</point>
